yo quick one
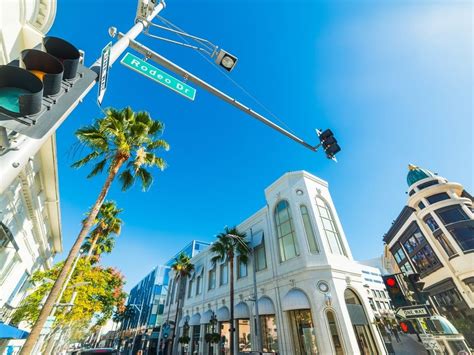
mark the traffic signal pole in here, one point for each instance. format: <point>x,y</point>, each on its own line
<point>15,157</point>
<point>13,161</point>
<point>148,53</point>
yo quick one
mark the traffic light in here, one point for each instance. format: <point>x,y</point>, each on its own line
<point>395,291</point>
<point>416,286</point>
<point>404,327</point>
<point>42,86</point>
<point>329,143</point>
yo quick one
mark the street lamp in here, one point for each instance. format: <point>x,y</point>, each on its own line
<point>226,60</point>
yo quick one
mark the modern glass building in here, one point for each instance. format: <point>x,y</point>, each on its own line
<point>147,300</point>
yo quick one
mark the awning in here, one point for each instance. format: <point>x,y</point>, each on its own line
<point>256,239</point>
<point>206,317</point>
<point>223,314</point>
<point>265,306</point>
<point>241,311</point>
<point>199,270</point>
<point>295,299</point>
<point>195,319</point>
<point>10,332</point>
<point>182,321</point>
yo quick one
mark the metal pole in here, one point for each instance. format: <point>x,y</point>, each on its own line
<point>188,76</point>
<point>255,297</point>
<point>13,161</point>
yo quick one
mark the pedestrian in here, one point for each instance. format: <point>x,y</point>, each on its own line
<point>395,332</point>
<point>388,333</point>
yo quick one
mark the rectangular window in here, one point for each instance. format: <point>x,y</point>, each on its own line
<point>399,255</point>
<point>438,197</point>
<point>190,288</point>
<point>425,259</point>
<point>452,214</point>
<point>464,235</point>
<point>406,268</point>
<point>427,184</point>
<point>198,285</point>
<point>441,238</point>
<point>224,274</point>
<point>413,238</point>
<point>241,269</point>
<point>431,223</point>
<point>244,332</point>
<point>212,279</point>
<point>260,255</point>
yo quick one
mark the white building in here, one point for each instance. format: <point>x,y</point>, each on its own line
<point>311,294</point>
<point>377,293</point>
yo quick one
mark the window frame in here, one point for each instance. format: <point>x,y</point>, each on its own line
<point>309,223</point>
<point>291,234</point>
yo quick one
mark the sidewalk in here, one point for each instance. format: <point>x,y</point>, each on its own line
<point>409,345</point>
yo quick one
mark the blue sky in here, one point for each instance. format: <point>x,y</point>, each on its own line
<point>392,80</point>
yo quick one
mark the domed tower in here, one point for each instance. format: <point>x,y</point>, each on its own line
<point>434,237</point>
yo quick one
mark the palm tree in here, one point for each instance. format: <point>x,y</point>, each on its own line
<point>228,244</point>
<point>182,268</point>
<point>107,223</point>
<point>122,139</point>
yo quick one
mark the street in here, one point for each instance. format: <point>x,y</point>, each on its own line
<point>408,345</point>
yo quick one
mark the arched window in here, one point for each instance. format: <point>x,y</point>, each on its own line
<point>360,323</point>
<point>336,339</point>
<point>308,228</point>
<point>332,235</point>
<point>285,231</point>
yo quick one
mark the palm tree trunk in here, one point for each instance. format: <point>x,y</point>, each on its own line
<point>93,243</point>
<point>232,328</point>
<point>58,285</point>
<point>177,315</point>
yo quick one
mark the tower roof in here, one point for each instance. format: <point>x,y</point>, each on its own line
<point>416,173</point>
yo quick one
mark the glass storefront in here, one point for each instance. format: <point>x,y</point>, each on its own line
<point>244,335</point>
<point>269,333</point>
<point>336,340</point>
<point>225,336</point>
<point>195,339</point>
<point>304,335</point>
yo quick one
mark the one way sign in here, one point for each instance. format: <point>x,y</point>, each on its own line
<point>417,311</point>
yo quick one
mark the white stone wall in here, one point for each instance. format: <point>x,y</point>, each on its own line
<point>35,226</point>
<point>302,272</point>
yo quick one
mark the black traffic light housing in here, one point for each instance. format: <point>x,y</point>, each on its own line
<point>416,286</point>
<point>329,143</point>
<point>394,290</point>
<point>42,87</point>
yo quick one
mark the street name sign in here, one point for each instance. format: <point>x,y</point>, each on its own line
<point>104,72</point>
<point>417,311</point>
<point>146,69</point>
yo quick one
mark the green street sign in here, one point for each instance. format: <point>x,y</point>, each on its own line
<point>146,69</point>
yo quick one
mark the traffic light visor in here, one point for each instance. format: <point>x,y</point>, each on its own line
<point>46,67</point>
<point>21,92</point>
<point>65,52</point>
<point>325,135</point>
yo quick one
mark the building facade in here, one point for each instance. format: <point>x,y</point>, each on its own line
<point>147,299</point>
<point>310,293</point>
<point>377,294</point>
<point>30,227</point>
<point>434,236</point>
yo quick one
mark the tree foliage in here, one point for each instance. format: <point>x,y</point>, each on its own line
<point>99,292</point>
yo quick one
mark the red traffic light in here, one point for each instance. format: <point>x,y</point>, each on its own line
<point>404,327</point>
<point>390,282</point>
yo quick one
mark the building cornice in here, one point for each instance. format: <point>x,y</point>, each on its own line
<point>404,215</point>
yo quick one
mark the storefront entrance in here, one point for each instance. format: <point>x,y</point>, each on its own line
<point>363,333</point>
